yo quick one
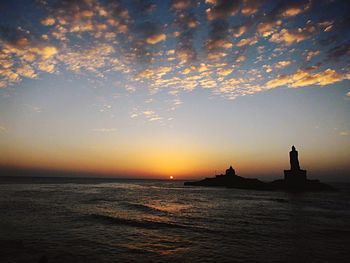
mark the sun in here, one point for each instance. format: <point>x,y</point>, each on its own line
<point>171,177</point>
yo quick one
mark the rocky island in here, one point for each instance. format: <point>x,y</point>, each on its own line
<point>294,180</point>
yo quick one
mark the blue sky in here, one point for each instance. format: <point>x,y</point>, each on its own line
<point>184,88</point>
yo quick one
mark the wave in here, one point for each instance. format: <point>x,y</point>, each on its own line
<point>153,225</point>
<point>144,208</point>
<point>135,223</point>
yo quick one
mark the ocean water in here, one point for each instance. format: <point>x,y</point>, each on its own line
<point>88,220</point>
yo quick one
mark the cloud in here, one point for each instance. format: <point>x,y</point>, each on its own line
<point>154,72</point>
<point>156,38</point>
<point>238,31</point>
<point>219,43</point>
<point>224,71</point>
<point>151,115</point>
<point>181,50</point>
<point>90,59</point>
<point>222,9</point>
<point>48,21</point>
<point>285,9</point>
<point>290,8</point>
<point>312,53</point>
<point>282,64</point>
<point>27,71</point>
<point>303,78</point>
<point>247,41</point>
<point>46,66</point>
<point>293,8</point>
<point>250,7</point>
<point>181,4</point>
<point>289,37</point>
<point>185,54</point>
<point>266,28</point>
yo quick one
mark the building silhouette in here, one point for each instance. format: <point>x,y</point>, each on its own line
<point>230,172</point>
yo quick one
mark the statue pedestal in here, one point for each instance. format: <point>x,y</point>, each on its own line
<point>295,177</point>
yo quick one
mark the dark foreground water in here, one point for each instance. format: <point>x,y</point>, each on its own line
<point>162,221</point>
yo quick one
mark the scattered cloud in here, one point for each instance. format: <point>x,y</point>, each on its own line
<point>303,78</point>
<point>194,45</point>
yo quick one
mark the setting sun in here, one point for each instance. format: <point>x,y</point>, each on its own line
<point>171,177</point>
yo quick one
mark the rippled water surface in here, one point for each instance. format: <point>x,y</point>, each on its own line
<point>87,220</point>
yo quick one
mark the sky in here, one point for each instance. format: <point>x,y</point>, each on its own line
<point>153,89</point>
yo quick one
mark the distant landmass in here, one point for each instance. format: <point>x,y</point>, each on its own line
<point>294,180</point>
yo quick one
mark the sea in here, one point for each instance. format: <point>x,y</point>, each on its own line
<point>104,220</point>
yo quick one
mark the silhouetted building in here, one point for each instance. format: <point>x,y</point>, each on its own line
<point>230,172</point>
<point>295,175</point>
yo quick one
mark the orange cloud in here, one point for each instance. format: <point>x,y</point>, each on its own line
<point>294,8</point>
<point>156,38</point>
<point>247,41</point>
<point>266,28</point>
<point>293,36</point>
<point>224,71</point>
<point>48,21</point>
<point>240,30</point>
<point>219,43</point>
<point>250,7</point>
<point>303,78</point>
<point>181,4</point>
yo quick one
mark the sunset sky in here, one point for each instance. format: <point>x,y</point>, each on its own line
<point>184,88</point>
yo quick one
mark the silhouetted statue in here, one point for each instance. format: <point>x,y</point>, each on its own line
<point>294,176</point>
<point>230,172</point>
<point>294,162</point>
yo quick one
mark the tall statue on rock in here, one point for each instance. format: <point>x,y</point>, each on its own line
<point>293,158</point>
<point>294,176</point>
